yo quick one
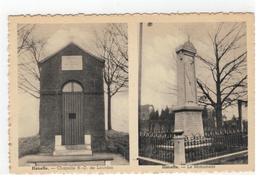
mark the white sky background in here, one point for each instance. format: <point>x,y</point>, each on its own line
<point>58,36</point>
<point>159,60</point>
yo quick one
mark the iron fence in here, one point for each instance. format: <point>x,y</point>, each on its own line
<point>157,145</point>
<point>215,143</point>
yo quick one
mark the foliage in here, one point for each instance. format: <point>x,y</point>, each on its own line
<point>29,145</point>
<point>118,142</point>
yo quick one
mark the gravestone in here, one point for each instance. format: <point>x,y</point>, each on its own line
<point>188,114</point>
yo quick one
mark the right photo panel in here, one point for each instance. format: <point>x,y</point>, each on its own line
<point>193,93</point>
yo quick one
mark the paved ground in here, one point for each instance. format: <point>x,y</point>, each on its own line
<point>232,158</point>
<point>117,160</point>
<point>241,159</point>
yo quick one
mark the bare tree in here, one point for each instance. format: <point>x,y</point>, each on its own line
<point>227,67</point>
<point>24,33</point>
<point>112,47</point>
<point>30,52</point>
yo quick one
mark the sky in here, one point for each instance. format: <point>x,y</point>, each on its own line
<point>159,78</point>
<point>58,36</point>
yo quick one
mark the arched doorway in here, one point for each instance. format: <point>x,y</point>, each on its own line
<point>72,114</point>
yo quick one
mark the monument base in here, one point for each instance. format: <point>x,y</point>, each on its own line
<point>189,119</point>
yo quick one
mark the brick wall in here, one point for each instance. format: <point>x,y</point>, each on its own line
<point>51,83</point>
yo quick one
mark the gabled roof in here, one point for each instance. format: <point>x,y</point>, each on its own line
<point>69,44</point>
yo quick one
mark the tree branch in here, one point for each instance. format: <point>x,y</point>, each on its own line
<point>205,92</point>
<point>236,85</point>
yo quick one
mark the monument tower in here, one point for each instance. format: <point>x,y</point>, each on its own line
<point>188,114</point>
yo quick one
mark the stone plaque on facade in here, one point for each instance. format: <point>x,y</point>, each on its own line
<point>71,63</point>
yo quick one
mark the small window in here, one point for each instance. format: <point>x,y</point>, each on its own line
<point>71,63</point>
<point>72,87</point>
<point>72,115</point>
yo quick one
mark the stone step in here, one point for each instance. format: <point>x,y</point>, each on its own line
<point>77,147</point>
<point>72,150</point>
<point>46,159</point>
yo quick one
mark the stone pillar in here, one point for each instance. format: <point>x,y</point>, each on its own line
<point>57,140</point>
<point>87,141</point>
<point>58,145</point>
<point>179,148</point>
<point>188,114</point>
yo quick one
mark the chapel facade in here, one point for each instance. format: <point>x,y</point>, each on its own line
<point>71,100</point>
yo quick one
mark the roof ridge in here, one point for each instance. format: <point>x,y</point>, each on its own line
<point>68,44</point>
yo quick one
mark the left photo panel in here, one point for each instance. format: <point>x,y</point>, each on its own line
<point>71,93</point>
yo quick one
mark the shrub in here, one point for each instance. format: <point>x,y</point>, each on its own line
<point>118,142</point>
<point>29,145</point>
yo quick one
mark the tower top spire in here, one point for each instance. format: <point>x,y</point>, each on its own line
<point>187,46</point>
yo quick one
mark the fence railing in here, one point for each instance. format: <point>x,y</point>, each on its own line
<point>214,143</point>
<point>157,145</point>
<point>160,145</point>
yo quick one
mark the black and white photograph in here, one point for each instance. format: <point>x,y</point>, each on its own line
<point>131,93</point>
<point>193,93</point>
<point>72,94</point>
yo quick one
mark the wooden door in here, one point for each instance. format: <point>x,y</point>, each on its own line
<point>72,114</point>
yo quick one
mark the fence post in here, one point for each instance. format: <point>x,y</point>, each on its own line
<point>179,148</point>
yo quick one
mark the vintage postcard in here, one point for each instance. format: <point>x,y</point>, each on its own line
<point>131,93</point>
